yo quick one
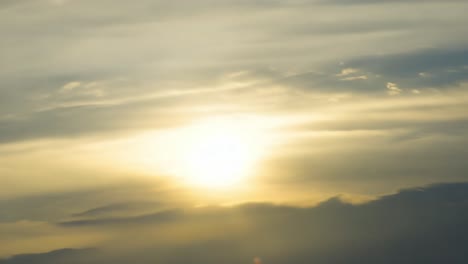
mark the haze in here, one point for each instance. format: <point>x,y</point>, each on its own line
<point>233,131</point>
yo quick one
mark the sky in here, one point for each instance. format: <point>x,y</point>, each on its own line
<point>233,131</point>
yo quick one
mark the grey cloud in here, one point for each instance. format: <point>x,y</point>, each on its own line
<point>120,208</point>
<point>411,128</point>
<point>158,46</point>
<point>383,144</point>
<point>377,159</point>
<point>329,82</point>
<point>420,225</point>
<point>86,41</point>
<point>73,121</point>
<point>126,199</point>
<point>160,217</point>
<point>66,255</point>
<point>350,24</point>
<point>420,68</point>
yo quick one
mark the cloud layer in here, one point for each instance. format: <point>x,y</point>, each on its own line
<point>420,225</point>
<point>357,98</point>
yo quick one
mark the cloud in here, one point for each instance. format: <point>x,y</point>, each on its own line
<point>383,143</point>
<point>119,208</point>
<point>73,121</point>
<point>417,225</point>
<point>393,89</point>
<point>164,216</point>
<point>420,70</point>
<point>347,71</point>
<point>156,47</point>
<point>66,255</point>
<point>78,76</point>
<point>430,68</point>
<point>354,78</point>
<point>70,86</point>
<point>128,199</point>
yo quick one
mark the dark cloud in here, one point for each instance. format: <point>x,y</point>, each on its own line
<point>117,208</point>
<point>420,225</point>
<point>124,199</point>
<point>420,68</point>
<point>160,217</point>
<point>66,255</point>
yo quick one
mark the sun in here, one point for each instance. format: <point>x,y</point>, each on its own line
<point>217,153</point>
<point>212,153</point>
<point>216,159</point>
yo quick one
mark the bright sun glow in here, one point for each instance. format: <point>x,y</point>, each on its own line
<point>216,153</point>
